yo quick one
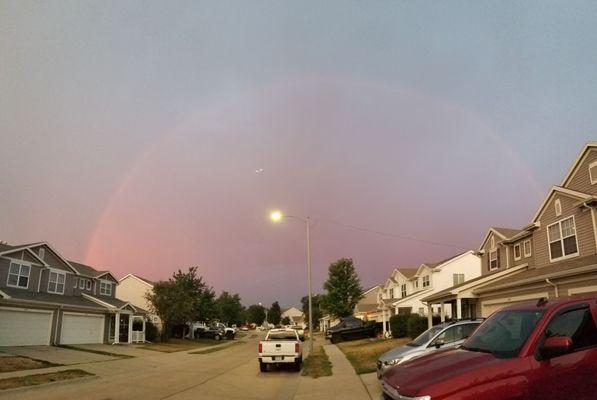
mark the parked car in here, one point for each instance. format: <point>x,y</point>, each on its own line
<point>351,328</point>
<point>280,346</point>
<point>442,336</point>
<point>299,329</point>
<point>216,331</point>
<point>543,350</point>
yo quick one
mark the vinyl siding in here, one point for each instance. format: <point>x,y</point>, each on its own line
<point>33,275</point>
<point>485,257</point>
<point>524,260</point>
<point>584,229</point>
<point>581,180</point>
<point>51,259</point>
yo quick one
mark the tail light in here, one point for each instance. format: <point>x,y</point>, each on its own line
<point>296,347</point>
<point>260,347</point>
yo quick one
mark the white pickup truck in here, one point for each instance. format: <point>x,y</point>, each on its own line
<point>280,346</point>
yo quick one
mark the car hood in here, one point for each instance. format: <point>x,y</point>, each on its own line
<point>399,352</point>
<point>421,372</point>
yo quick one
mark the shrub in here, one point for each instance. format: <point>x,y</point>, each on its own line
<point>151,331</point>
<point>398,325</point>
<point>418,324</point>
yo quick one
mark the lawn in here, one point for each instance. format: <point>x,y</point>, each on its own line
<point>174,345</point>
<point>363,354</point>
<point>224,346</point>
<point>32,380</point>
<point>317,364</point>
<point>17,363</point>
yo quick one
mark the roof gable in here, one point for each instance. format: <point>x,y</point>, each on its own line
<point>137,278</point>
<point>562,191</point>
<point>57,260</point>
<point>577,163</point>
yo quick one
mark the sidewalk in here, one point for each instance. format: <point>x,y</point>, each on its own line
<point>343,384</point>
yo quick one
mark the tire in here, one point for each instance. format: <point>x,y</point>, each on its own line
<point>262,367</point>
<point>336,338</point>
<point>229,335</point>
<point>298,363</point>
<point>217,337</point>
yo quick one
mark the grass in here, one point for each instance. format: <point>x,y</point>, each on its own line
<point>363,354</point>
<point>217,348</point>
<point>39,379</point>
<point>317,364</point>
<point>174,345</point>
<point>18,363</point>
<point>104,353</point>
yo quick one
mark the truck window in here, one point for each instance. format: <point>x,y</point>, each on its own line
<point>577,324</point>
<point>282,336</point>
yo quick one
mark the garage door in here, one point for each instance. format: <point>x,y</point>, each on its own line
<point>25,328</point>
<point>489,309</point>
<point>82,328</point>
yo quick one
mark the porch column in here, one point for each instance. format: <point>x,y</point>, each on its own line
<point>143,330</point>
<point>117,328</point>
<point>429,315</point>
<point>130,328</point>
<point>442,312</point>
<point>383,321</point>
<point>459,308</point>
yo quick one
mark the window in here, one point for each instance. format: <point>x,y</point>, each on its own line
<point>493,260</point>
<point>88,285</point>
<point>457,279</point>
<point>76,283</point>
<point>391,293</point>
<point>576,323</point>
<point>527,248</point>
<point>403,290</point>
<point>562,239</point>
<point>426,281</point>
<point>421,311</point>
<point>18,275</point>
<point>416,284</point>
<point>105,288</point>
<point>82,283</point>
<point>42,253</point>
<point>593,172</point>
<point>517,253</point>
<point>450,335</point>
<point>558,207</point>
<point>56,282</point>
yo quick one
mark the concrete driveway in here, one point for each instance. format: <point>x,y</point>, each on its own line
<point>56,355</point>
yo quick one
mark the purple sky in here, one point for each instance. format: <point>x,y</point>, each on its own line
<point>130,134</point>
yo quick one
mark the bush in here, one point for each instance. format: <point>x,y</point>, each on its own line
<point>417,324</point>
<point>398,325</point>
<point>151,331</point>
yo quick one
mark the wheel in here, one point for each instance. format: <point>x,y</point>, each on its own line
<point>217,337</point>
<point>262,367</point>
<point>298,363</point>
<point>229,335</point>
<point>336,338</point>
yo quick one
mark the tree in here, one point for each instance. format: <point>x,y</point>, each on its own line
<point>183,298</point>
<point>286,320</point>
<point>255,314</point>
<point>274,315</point>
<point>343,288</point>
<point>229,309</point>
<point>317,305</point>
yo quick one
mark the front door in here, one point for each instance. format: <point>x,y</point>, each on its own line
<point>123,336</point>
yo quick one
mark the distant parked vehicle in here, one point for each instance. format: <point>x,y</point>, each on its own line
<point>541,350</point>
<point>442,336</point>
<point>216,331</point>
<point>352,328</point>
<point>280,346</point>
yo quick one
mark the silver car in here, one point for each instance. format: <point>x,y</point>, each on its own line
<point>442,336</point>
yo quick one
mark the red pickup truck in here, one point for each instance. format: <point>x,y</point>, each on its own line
<point>543,350</point>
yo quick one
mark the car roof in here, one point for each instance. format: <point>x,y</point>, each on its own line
<point>459,322</point>
<point>547,304</point>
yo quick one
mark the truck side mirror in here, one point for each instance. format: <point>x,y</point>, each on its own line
<point>555,346</point>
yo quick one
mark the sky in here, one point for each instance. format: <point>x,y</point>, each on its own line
<point>144,136</point>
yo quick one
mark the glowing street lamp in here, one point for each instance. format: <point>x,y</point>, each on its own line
<point>277,216</point>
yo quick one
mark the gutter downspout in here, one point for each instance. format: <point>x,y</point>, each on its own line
<point>554,286</point>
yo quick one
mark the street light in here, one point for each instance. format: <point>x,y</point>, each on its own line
<point>277,216</point>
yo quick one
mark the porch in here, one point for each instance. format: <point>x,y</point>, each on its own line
<point>126,327</point>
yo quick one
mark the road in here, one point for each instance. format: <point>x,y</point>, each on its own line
<point>226,374</point>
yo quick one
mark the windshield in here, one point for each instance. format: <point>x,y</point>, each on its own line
<point>425,337</point>
<point>504,334</point>
<point>285,335</point>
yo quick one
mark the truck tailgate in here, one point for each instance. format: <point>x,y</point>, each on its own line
<point>275,348</point>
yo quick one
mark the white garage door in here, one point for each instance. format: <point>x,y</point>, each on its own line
<point>25,328</point>
<point>82,328</point>
<point>489,309</point>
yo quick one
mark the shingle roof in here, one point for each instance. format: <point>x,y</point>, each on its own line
<point>507,232</point>
<point>115,302</point>
<point>6,247</point>
<point>26,295</point>
<point>408,272</point>
<point>145,279</point>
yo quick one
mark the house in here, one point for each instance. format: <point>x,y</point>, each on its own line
<point>395,288</point>
<point>46,299</point>
<point>296,316</point>
<point>366,309</point>
<point>554,255</point>
<point>133,288</point>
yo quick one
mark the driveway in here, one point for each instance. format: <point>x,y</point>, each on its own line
<point>56,355</point>
<point>225,374</point>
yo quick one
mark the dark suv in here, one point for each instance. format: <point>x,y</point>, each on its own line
<point>351,328</point>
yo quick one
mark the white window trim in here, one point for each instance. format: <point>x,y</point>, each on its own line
<point>21,265</point>
<point>403,293</point>
<point>490,259</point>
<point>42,253</point>
<point>492,242</point>
<point>428,281</point>
<point>561,240</point>
<point>88,285</point>
<point>592,179</point>
<point>82,283</point>
<point>519,252</point>
<point>76,285</point>
<point>107,284</point>
<point>53,271</point>
<point>530,253</point>
<point>558,207</point>
<point>457,280</point>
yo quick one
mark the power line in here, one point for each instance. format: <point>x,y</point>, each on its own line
<point>392,235</point>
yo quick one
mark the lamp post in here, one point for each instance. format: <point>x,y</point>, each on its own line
<point>277,216</point>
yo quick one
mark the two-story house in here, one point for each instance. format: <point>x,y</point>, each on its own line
<point>366,309</point>
<point>133,289</point>
<point>46,299</point>
<point>395,288</point>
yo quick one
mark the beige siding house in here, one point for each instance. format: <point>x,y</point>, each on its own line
<point>133,288</point>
